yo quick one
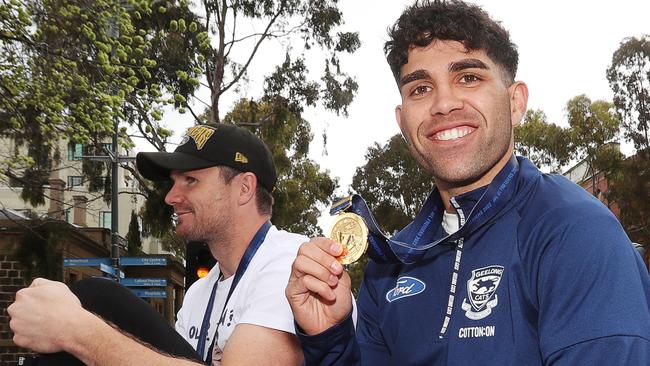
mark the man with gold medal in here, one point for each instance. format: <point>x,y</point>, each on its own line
<point>504,265</point>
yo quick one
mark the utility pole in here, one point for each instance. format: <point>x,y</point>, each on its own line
<point>115,159</point>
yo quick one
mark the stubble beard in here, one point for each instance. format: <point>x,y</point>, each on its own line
<point>463,170</point>
<point>214,228</point>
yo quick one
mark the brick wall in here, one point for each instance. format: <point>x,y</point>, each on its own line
<point>11,280</point>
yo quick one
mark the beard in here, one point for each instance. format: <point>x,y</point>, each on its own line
<point>212,228</point>
<point>463,167</point>
<point>463,170</point>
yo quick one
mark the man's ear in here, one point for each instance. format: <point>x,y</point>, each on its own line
<point>518,102</point>
<point>398,118</point>
<point>247,187</point>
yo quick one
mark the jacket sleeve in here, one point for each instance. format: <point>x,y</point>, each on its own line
<point>593,293</point>
<point>335,346</point>
<point>342,344</point>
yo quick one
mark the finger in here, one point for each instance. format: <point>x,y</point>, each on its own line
<point>318,287</point>
<point>329,246</point>
<point>307,266</point>
<point>39,282</point>
<point>11,310</point>
<point>21,341</point>
<point>323,258</point>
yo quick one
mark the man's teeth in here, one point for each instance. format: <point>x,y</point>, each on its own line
<point>452,133</point>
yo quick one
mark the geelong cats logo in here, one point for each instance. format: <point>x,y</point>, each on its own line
<point>481,292</point>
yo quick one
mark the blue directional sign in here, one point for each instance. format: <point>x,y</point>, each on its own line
<point>85,262</point>
<point>143,261</point>
<point>150,293</point>
<point>144,282</point>
<point>110,270</point>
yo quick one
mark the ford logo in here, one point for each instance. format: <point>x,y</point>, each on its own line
<point>406,286</point>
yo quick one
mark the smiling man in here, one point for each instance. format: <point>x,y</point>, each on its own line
<point>504,265</point>
<point>223,177</point>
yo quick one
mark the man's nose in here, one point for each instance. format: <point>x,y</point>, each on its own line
<point>445,100</point>
<point>173,196</point>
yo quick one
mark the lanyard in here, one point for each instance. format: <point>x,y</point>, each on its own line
<point>241,268</point>
<point>410,244</point>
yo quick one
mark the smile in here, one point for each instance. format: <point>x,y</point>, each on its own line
<point>453,133</point>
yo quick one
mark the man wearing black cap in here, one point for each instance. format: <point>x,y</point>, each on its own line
<point>222,177</point>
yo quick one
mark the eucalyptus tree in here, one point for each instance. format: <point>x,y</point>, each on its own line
<point>544,143</point>
<point>629,78</point>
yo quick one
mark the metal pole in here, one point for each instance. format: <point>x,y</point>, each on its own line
<point>115,248</point>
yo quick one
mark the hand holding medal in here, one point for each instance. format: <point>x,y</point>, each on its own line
<point>351,232</point>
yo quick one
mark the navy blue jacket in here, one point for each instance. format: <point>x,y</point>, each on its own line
<point>552,279</point>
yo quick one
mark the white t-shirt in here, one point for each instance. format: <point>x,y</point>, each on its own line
<point>450,222</point>
<point>258,299</point>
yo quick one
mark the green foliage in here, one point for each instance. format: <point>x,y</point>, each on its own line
<point>156,214</point>
<point>356,271</point>
<point>629,78</point>
<point>173,244</point>
<point>36,173</point>
<point>38,251</point>
<point>312,23</point>
<point>395,188</point>
<point>630,189</point>
<point>133,237</point>
<point>71,70</point>
<point>544,143</point>
<point>592,125</point>
<point>392,183</point>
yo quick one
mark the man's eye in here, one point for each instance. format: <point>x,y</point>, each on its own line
<point>190,180</point>
<point>421,89</point>
<point>469,79</point>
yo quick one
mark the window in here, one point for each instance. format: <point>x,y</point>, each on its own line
<point>75,151</point>
<point>68,215</point>
<point>75,180</point>
<point>105,219</point>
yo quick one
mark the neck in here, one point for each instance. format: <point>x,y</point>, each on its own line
<point>229,252</point>
<point>449,189</point>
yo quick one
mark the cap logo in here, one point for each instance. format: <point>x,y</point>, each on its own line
<point>240,158</point>
<point>200,135</point>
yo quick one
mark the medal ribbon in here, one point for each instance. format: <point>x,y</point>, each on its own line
<point>241,269</point>
<point>410,244</point>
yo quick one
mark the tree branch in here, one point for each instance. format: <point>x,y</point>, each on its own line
<point>234,26</point>
<point>257,45</point>
<point>270,34</point>
<point>196,118</point>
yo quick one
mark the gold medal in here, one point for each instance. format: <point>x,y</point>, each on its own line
<point>351,231</point>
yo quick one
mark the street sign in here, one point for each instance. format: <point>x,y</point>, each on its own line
<point>143,282</point>
<point>150,293</point>
<point>110,270</point>
<point>85,262</point>
<point>143,261</point>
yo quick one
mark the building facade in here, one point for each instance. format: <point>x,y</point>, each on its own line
<point>67,195</point>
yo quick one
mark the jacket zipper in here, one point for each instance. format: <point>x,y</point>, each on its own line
<point>454,276</point>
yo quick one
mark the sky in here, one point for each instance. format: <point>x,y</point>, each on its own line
<point>564,47</point>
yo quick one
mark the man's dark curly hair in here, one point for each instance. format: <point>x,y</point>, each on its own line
<point>425,22</point>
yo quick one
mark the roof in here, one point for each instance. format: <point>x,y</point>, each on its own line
<point>13,215</point>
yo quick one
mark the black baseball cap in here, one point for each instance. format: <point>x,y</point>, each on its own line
<point>205,146</point>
